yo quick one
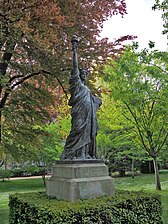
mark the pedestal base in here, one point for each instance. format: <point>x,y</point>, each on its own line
<point>74,180</point>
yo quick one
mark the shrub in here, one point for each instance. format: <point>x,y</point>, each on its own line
<point>126,207</point>
<point>17,172</point>
<point>5,174</point>
<point>28,171</point>
<point>32,170</point>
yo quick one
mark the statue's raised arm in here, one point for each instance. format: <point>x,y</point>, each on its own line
<point>74,42</point>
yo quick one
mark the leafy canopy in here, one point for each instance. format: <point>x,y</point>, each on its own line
<point>139,81</point>
<point>35,58</point>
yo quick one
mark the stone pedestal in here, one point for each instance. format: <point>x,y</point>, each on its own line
<point>74,180</point>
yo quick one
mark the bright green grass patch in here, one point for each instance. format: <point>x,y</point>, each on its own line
<point>22,185</point>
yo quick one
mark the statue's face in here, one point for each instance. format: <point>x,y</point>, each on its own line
<point>83,75</point>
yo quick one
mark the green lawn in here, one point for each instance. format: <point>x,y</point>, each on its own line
<point>12,186</point>
<point>141,182</point>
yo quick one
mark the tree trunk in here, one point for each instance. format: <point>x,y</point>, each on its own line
<point>132,167</point>
<point>43,175</point>
<point>0,125</point>
<point>122,173</point>
<point>157,178</point>
<point>1,162</point>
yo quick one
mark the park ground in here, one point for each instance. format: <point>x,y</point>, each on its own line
<point>143,182</point>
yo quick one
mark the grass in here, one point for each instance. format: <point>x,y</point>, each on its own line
<point>142,182</point>
<point>12,186</point>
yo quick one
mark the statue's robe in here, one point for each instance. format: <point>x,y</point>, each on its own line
<point>84,121</point>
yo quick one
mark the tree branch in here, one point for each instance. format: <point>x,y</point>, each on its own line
<point>15,77</point>
<point>160,68</point>
<point>62,87</point>
<point>32,75</point>
<point>11,88</point>
<point>6,57</point>
<point>27,77</point>
<point>138,128</point>
<point>151,114</point>
<point>161,145</point>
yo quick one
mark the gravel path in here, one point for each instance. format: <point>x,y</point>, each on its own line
<point>31,177</point>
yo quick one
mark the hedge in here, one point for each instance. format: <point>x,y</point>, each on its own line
<point>28,171</point>
<point>21,172</point>
<point>126,207</point>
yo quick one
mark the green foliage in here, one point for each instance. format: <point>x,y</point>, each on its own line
<point>27,171</point>
<point>116,139</point>
<point>21,144</point>
<point>33,170</point>
<point>139,82</point>
<point>18,172</point>
<point>126,207</point>
<point>21,172</point>
<point>163,6</point>
<point>57,132</point>
<point>5,174</point>
<point>53,141</point>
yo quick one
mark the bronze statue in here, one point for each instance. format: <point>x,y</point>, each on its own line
<point>81,142</point>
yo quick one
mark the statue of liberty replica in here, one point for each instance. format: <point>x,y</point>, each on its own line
<point>81,142</point>
<point>80,174</point>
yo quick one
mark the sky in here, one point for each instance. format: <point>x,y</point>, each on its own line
<point>140,21</point>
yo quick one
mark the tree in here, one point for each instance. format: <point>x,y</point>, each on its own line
<point>139,80</point>
<point>116,138</point>
<point>35,54</point>
<point>163,6</point>
<point>52,143</point>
